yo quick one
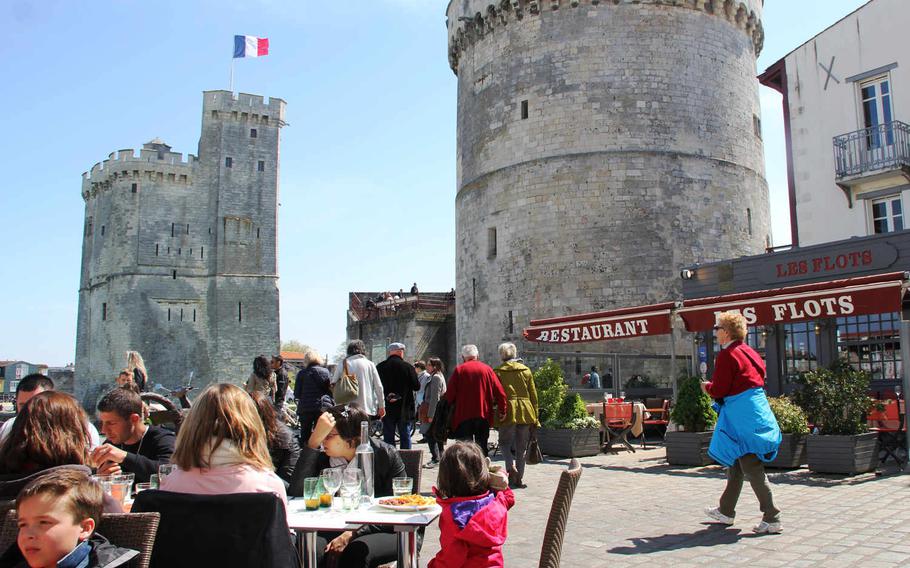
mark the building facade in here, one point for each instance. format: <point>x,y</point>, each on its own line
<point>601,146</point>
<point>845,93</point>
<point>424,322</point>
<point>11,372</point>
<point>179,255</point>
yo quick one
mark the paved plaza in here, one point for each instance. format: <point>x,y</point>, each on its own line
<point>634,509</point>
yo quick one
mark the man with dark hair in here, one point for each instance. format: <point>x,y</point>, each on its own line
<point>399,382</point>
<point>27,388</point>
<point>132,446</point>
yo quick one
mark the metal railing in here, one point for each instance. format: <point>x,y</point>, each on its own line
<point>882,147</point>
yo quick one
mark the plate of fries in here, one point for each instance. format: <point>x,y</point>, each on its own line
<point>406,503</point>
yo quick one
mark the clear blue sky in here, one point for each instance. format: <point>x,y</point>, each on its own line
<point>367,163</point>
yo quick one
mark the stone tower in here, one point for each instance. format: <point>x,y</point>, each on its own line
<point>602,145</point>
<point>179,256</point>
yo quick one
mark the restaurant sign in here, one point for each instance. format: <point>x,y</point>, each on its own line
<point>876,298</point>
<point>600,329</point>
<point>827,263</point>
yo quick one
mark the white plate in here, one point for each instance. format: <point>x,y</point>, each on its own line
<point>405,507</point>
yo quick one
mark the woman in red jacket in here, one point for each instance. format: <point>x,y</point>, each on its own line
<point>473,525</point>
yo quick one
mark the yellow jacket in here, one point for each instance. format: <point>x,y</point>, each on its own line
<point>521,394</point>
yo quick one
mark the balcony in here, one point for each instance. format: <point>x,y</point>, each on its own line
<point>873,158</point>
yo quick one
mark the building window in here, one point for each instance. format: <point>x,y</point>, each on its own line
<point>756,125</point>
<point>135,188</point>
<point>102,230</point>
<point>239,311</point>
<point>253,133</point>
<point>172,229</point>
<point>156,249</point>
<point>524,109</point>
<point>871,343</point>
<point>88,227</point>
<point>168,314</point>
<point>491,242</point>
<point>187,228</point>
<point>260,166</point>
<point>174,275</point>
<point>887,215</point>
<point>749,220</point>
<point>876,100</point>
<point>201,252</point>
<point>800,348</point>
<point>194,315</point>
<point>104,311</point>
<point>511,323</point>
<point>228,162</point>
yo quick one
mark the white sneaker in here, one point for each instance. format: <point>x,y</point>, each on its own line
<point>768,528</point>
<point>714,513</point>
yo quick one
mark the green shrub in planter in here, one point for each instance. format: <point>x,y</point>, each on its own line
<point>836,399</point>
<point>790,417</point>
<point>551,390</point>
<point>692,409</point>
<point>572,414</point>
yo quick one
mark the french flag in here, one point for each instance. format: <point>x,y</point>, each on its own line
<point>250,46</point>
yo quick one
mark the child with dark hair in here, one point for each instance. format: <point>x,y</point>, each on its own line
<point>475,509</point>
<point>57,516</point>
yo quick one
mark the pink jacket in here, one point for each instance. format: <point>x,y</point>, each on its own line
<point>472,530</point>
<point>225,479</point>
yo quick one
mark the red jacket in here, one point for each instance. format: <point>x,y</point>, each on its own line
<point>474,388</point>
<point>737,369</point>
<point>472,530</point>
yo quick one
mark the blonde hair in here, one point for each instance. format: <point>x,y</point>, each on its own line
<point>312,358</point>
<point>222,412</point>
<point>508,351</point>
<point>134,361</point>
<point>733,323</point>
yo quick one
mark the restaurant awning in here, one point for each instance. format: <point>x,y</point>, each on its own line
<point>599,326</point>
<point>877,294</point>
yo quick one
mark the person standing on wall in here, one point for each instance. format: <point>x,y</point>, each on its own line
<point>399,382</point>
<point>474,389</point>
<point>746,435</point>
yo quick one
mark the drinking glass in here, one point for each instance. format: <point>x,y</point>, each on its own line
<point>165,470</point>
<point>153,481</point>
<point>402,486</point>
<point>120,490</point>
<point>350,497</point>
<point>140,487</point>
<point>311,492</point>
<point>331,480</point>
<point>352,480</point>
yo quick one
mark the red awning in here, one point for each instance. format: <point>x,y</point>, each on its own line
<point>599,326</point>
<point>877,294</point>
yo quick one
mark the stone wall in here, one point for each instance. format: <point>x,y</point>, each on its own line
<point>179,255</point>
<point>601,147</point>
<point>424,334</point>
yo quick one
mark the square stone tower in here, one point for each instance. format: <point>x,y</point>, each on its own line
<point>179,256</point>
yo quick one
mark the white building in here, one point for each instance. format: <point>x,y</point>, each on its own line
<point>846,98</point>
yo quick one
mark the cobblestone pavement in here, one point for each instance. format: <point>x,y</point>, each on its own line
<point>634,509</point>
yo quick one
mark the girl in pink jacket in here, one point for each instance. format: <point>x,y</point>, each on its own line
<point>475,510</point>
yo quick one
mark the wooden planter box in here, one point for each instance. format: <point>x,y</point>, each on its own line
<point>688,448</point>
<point>843,454</point>
<point>564,443</point>
<point>792,452</point>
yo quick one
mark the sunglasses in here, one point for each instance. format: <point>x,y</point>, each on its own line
<point>718,327</point>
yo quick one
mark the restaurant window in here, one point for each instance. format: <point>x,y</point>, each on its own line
<point>756,338</point>
<point>871,343</point>
<point>800,348</point>
<point>887,215</point>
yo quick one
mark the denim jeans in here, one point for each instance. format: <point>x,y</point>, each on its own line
<point>403,427</point>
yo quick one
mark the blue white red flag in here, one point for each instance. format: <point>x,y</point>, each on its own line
<point>250,46</point>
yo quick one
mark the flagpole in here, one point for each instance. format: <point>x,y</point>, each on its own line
<point>232,74</point>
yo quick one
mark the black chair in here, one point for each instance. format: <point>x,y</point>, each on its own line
<point>238,530</point>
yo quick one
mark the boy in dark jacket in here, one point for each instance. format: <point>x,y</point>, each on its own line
<point>57,515</point>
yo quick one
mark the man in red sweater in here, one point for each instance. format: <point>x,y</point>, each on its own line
<point>474,388</point>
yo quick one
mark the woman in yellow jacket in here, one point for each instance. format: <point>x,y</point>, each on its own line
<point>521,412</point>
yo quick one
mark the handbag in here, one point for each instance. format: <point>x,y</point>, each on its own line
<point>347,388</point>
<point>534,456</point>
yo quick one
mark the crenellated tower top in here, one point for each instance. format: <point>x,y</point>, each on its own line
<point>469,21</point>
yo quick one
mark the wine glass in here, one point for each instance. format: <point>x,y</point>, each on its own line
<point>331,480</point>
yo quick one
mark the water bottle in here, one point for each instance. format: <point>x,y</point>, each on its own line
<point>365,460</point>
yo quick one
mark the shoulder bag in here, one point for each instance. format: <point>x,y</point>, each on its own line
<point>347,388</point>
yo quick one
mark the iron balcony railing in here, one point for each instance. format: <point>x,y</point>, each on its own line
<point>882,147</point>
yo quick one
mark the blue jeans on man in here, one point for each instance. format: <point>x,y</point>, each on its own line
<point>391,424</point>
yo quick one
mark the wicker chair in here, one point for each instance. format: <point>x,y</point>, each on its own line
<point>132,530</point>
<point>413,465</point>
<point>551,551</point>
<point>9,530</point>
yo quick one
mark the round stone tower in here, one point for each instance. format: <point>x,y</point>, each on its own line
<point>602,146</point>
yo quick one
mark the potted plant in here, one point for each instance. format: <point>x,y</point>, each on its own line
<point>567,430</point>
<point>694,414</point>
<point>794,428</point>
<point>836,401</point>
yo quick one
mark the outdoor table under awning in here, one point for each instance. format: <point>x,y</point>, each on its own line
<point>624,323</point>
<point>835,298</point>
